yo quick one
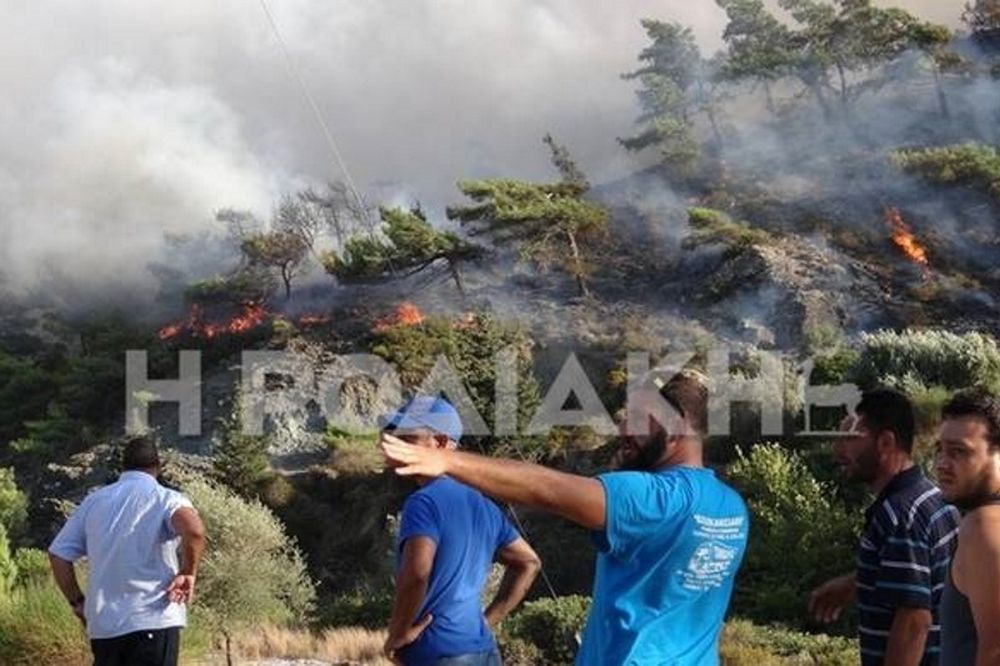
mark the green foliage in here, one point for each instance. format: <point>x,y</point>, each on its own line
<point>913,359</point>
<point>8,569</point>
<point>673,88</point>
<point>747,644</point>
<point>800,534</point>
<point>32,565</point>
<point>971,164</point>
<point>712,226</point>
<point>550,625</point>
<point>982,15</point>
<point>840,48</point>
<point>282,250</point>
<point>411,244</point>
<point>13,503</point>
<point>360,607</point>
<point>251,284</point>
<point>472,348</point>
<point>241,460</point>
<point>550,223</point>
<point>759,44</point>
<point>354,453</point>
<point>38,627</point>
<point>252,572</point>
<point>25,391</point>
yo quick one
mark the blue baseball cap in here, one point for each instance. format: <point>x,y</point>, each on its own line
<point>423,411</point>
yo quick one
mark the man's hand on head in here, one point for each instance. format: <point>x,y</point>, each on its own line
<point>411,460</point>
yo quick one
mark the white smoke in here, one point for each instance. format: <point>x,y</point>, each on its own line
<point>121,125</point>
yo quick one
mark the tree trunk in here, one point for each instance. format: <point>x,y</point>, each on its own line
<point>286,277</point>
<point>229,649</point>
<point>577,264</point>
<point>769,98</point>
<point>710,112</point>
<point>845,101</point>
<point>457,277</point>
<point>942,97</point>
<point>817,91</point>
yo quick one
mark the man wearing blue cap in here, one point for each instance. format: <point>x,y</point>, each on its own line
<point>448,537</point>
<point>670,535</point>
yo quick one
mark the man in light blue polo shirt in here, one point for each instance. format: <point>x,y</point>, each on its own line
<point>137,590</point>
<point>670,535</point>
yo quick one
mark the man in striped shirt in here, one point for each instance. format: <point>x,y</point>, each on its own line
<point>907,544</point>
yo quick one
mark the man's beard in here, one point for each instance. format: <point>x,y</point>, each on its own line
<point>648,457</point>
<point>865,467</point>
<point>981,492</point>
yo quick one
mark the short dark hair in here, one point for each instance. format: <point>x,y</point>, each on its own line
<point>687,392</point>
<point>140,452</point>
<point>976,402</point>
<point>888,409</point>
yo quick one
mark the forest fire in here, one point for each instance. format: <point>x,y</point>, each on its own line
<point>903,237</point>
<point>310,320</point>
<point>407,314</point>
<point>252,316</point>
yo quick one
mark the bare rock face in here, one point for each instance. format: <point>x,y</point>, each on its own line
<point>300,384</point>
<point>771,294</point>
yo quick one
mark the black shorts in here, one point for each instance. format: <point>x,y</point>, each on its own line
<point>152,647</point>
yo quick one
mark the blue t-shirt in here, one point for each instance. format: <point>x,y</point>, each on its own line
<point>672,543</point>
<point>468,529</point>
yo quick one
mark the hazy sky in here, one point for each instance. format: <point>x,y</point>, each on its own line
<point>118,125</point>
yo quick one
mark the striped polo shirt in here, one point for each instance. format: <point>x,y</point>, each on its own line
<point>903,560</point>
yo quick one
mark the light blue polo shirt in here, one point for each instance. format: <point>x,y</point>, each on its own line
<point>124,531</point>
<point>672,543</point>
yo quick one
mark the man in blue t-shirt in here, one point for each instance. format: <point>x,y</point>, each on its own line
<point>670,535</point>
<point>448,537</point>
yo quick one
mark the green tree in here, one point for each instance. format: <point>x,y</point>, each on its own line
<point>8,570</point>
<point>241,460</point>
<point>282,250</point>
<point>472,347</point>
<point>248,284</point>
<point>344,213</point>
<point>800,534</point>
<point>551,222</point>
<point>25,392</point>
<point>838,47</point>
<point>982,15</point>
<point>853,40</point>
<point>933,41</point>
<point>13,503</point>
<point>759,45</point>
<point>676,84</point>
<point>411,245</point>
<point>252,572</point>
<point>971,165</point>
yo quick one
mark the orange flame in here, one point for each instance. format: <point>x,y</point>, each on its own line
<point>903,237</point>
<point>467,320</point>
<point>252,316</point>
<point>313,320</point>
<point>407,314</point>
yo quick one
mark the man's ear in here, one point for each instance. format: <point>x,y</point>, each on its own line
<point>886,441</point>
<point>441,441</point>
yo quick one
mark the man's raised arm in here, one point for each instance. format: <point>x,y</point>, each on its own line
<point>576,498</point>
